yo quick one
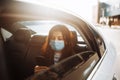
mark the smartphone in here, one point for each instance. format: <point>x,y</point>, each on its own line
<point>41,61</point>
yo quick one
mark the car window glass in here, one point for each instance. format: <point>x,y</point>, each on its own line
<point>43,27</point>
<point>6,34</point>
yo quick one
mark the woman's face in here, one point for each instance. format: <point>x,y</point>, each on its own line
<point>57,41</point>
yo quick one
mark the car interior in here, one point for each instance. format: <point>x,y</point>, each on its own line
<point>22,48</point>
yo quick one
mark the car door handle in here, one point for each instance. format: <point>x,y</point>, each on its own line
<point>114,77</point>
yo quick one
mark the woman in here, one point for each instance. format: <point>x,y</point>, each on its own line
<point>58,46</point>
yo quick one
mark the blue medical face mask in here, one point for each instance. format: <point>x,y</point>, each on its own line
<point>57,45</point>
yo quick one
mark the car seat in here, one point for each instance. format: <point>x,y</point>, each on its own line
<point>34,51</point>
<point>76,47</point>
<point>17,47</point>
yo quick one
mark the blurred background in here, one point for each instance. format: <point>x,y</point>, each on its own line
<point>98,12</point>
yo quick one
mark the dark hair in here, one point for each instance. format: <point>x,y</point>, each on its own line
<point>67,36</point>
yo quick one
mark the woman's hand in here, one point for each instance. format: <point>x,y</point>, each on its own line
<point>49,76</point>
<point>40,68</point>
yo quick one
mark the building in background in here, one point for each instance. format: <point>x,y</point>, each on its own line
<point>109,12</point>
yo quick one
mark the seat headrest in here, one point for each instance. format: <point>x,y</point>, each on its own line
<point>22,35</point>
<point>37,40</point>
<point>74,38</point>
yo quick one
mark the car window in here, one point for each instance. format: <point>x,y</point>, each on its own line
<point>6,34</point>
<point>43,26</point>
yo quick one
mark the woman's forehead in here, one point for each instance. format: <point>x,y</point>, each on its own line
<point>57,33</point>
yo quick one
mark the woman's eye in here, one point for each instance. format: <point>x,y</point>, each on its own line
<point>57,38</point>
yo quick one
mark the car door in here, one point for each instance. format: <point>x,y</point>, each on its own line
<point>72,68</point>
<point>83,70</point>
